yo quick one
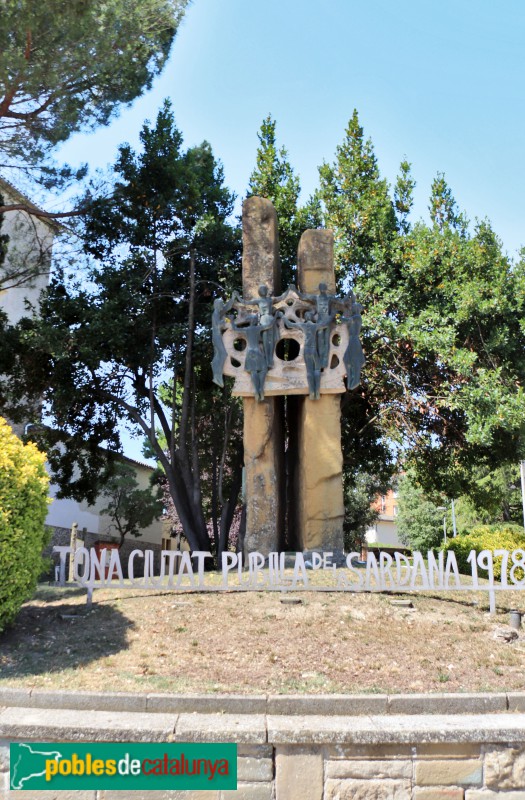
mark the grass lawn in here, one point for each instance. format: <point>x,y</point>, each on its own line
<point>147,641</point>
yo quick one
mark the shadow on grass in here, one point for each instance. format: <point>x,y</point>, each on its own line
<point>60,637</point>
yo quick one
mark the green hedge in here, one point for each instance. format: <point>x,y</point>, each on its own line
<point>24,486</point>
<point>488,537</point>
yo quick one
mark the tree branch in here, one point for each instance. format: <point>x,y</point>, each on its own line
<point>38,212</point>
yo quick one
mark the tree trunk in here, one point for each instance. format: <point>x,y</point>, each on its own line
<point>228,509</point>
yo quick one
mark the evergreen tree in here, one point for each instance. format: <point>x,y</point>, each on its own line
<point>130,339</point>
<point>359,210</point>
<point>441,322</point>
<point>274,178</point>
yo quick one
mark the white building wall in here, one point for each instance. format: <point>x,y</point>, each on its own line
<point>64,512</point>
<point>28,252</point>
<point>384,531</point>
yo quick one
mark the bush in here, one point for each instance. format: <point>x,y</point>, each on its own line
<point>24,487</point>
<point>488,537</point>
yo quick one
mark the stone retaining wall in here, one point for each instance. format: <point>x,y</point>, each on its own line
<point>404,747</point>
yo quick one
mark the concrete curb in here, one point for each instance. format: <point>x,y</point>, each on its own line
<point>256,729</point>
<point>72,725</point>
<point>396,729</point>
<point>289,705</point>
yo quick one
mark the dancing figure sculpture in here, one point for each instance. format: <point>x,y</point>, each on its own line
<point>324,317</point>
<point>312,358</point>
<point>266,319</point>
<point>218,326</point>
<point>255,363</point>
<point>354,358</point>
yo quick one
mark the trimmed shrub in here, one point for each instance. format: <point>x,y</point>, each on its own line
<point>24,485</point>
<point>503,536</point>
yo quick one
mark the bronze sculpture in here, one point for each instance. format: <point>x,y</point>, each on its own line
<point>327,331</point>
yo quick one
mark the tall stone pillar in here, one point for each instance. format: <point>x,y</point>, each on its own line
<point>263,421</point>
<point>320,505</point>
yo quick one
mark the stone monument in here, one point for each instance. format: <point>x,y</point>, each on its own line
<point>289,353</point>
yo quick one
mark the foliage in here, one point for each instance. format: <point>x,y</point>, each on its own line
<point>419,521</point>
<point>360,514</point>
<point>487,537</point>
<point>64,68</point>
<point>132,509</point>
<point>23,508</point>
<point>130,340</point>
<point>274,178</point>
<point>67,66</point>
<point>443,328</point>
<point>496,495</point>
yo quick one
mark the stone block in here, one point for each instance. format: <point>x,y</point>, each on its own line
<point>52,795</point>
<point>457,772</point>
<point>362,752</point>
<point>369,769</point>
<point>264,464</point>
<point>158,795</point>
<point>396,728</point>
<point>298,773</point>
<point>487,794</point>
<point>89,701</point>
<point>319,471</point>
<point>260,247</point>
<point>249,791</point>
<point>515,701</point>
<point>439,793</point>
<point>320,509</point>
<point>241,728</point>
<point>68,725</point>
<point>4,756</point>
<point>367,790</point>
<point>505,768</point>
<point>206,704</point>
<point>263,422</point>
<point>315,259</point>
<point>454,703</point>
<point>444,751</point>
<point>12,696</point>
<point>254,769</point>
<point>337,704</point>
<point>255,750</point>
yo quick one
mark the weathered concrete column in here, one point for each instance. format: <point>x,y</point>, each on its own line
<point>320,506</point>
<point>263,422</point>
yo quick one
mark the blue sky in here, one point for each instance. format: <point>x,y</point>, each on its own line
<point>441,83</point>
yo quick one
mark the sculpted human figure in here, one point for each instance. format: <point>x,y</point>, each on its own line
<point>323,303</point>
<point>354,357</point>
<point>312,358</point>
<point>266,320</point>
<point>218,326</point>
<point>255,363</point>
